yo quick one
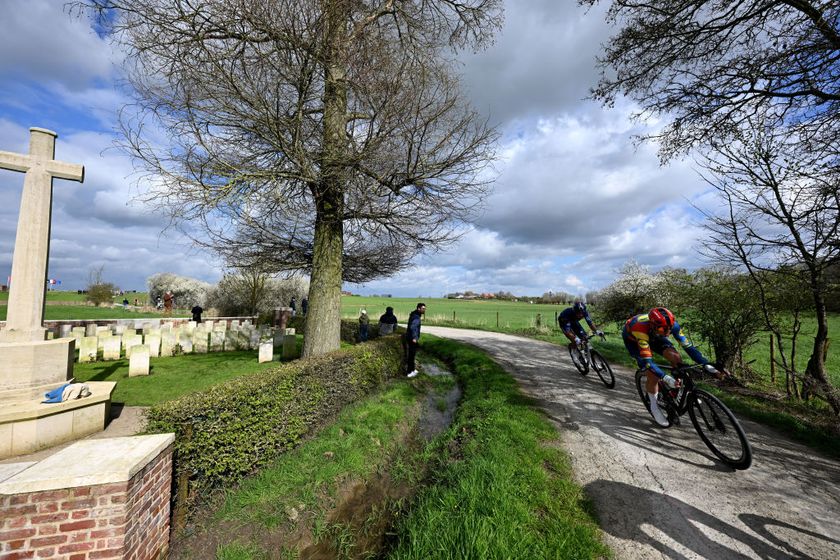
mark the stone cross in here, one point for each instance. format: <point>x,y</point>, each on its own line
<point>25,314</point>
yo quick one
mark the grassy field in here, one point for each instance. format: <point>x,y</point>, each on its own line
<point>481,314</point>
<point>68,296</point>
<point>85,312</point>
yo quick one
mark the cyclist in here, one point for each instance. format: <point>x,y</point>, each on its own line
<point>647,333</point>
<point>569,321</point>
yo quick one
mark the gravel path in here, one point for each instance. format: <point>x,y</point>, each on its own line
<point>661,493</point>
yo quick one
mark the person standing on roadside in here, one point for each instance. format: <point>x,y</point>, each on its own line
<point>364,324</point>
<point>412,338</point>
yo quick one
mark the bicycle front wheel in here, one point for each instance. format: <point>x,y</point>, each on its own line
<point>719,429</point>
<point>666,405</point>
<point>579,360</point>
<point>603,369</point>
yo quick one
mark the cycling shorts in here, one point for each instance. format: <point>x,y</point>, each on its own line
<point>573,326</point>
<point>657,343</point>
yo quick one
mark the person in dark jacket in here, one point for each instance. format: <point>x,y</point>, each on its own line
<point>412,338</point>
<point>387,321</point>
<point>304,305</point>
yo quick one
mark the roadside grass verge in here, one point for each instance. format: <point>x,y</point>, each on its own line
<point>170,377</point>
<point>500,486</point>
<point>494,484</point>
<point>297,506</point>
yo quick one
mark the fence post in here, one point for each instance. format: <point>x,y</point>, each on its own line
<point>497,319</point>
<point>453,315</point>
<point>539,320</point>
<point>772,361</point>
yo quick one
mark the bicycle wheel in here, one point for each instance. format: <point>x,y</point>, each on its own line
<point>603,369</point>
<point>719,429</point>
<point>666,405</point>
<point>579,360</point>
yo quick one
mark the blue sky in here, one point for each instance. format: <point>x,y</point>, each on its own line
<point>574,197</point>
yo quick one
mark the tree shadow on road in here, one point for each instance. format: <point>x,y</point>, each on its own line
<point>684,524</point>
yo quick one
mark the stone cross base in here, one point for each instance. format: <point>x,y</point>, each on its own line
<point>103,498</point>
<point>28,426</point>
<point>28,368</point>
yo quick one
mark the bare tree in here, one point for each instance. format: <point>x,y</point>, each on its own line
<point>783,216</point>
<point>707,66</point>
<point>307,127</point>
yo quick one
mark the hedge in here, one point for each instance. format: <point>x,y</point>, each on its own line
<point>237,427</point>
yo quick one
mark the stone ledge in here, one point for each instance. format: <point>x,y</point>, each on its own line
<point>29,409</point>
<point>89,463</point>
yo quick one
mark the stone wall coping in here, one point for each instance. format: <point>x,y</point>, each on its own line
<point>8,470</point>
<point>90,462</point>
<point>16,411</point>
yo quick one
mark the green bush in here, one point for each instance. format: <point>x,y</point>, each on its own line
<point>234,428</point>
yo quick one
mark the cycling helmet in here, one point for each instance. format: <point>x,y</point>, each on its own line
<point>579,307</point>
<point>662,320</point>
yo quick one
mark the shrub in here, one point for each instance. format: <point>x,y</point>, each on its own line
<point>100,293</point>
<point>186,291</point>
<point>254,293</point>
<point>237,427</point>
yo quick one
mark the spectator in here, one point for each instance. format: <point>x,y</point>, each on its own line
<point>364,323</point>
<point>159,304</point>
<point>125,303</point>
<point>293,305</point>
<point>136,302</point>
<point>196,313</point>
<point>304,305</point>
<point>168,301</point>
<point>412,338</point>
<point>387,321</point>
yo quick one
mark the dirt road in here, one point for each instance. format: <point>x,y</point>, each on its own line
<point>661,493</point>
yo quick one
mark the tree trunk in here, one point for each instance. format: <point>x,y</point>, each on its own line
<point>323,318</point>
<point>323,322</point>
<point>815,376</point>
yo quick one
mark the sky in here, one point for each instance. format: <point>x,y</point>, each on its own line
<point>574,197</point>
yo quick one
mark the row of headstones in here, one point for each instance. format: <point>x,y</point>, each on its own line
<point>111,342</point>
<point>139,354</point>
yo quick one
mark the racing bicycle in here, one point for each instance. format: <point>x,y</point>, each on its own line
<point>584,356</point>
<point>714,422</point>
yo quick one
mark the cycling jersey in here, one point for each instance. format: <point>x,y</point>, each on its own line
<point>641,340</point>
<point>569,322</point>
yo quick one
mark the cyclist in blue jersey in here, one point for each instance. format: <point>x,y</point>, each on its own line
<point>569,321</point>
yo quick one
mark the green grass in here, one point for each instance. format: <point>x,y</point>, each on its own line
<point>506,491</point>
<point>480,314</point>
<point>170,377</point>
<point>57,295</point>
<point>493,485</point>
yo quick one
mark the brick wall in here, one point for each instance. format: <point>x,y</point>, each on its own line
<point>127,520</point>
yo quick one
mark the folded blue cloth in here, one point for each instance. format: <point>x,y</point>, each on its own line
<point>54,396</point>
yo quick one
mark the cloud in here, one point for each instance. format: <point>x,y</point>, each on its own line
<point>41,42</point>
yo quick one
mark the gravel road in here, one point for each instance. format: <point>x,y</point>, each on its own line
<point>661,493</point>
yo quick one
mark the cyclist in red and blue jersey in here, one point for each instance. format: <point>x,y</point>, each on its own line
<point>647,333</point>
<point>569,321</point>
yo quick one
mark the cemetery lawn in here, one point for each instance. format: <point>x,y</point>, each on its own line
<point>172,377</point>
<point>494,484</point>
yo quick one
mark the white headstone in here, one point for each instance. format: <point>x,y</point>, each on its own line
<point>185,341</point>
<point>111,348</point>
<point>200,341</point>
<point>167,344</point>
<point>138,363</point>
<point>65,330</point>
<point>217,341</point>
<point>90,329</point>
<point>266,352</point>
<point>87,349</point>
<point>130,340</point>
<point>152,340</point>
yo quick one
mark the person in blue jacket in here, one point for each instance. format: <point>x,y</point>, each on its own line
<point>412,338</point>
